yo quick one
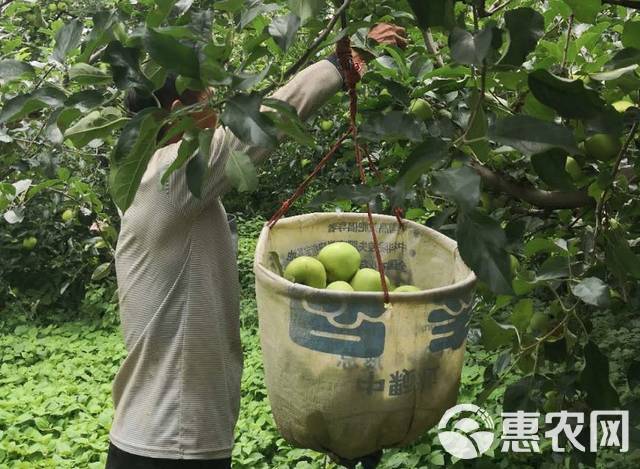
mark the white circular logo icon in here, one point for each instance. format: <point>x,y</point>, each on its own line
<point>466,436</point>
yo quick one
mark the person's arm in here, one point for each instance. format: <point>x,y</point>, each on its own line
<point>306,92</point>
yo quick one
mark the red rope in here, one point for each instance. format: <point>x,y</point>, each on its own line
<point>343,51</point>
<point>351,78</point>
<point>300,190</point>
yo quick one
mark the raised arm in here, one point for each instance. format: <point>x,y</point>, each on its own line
<point>306,92</point>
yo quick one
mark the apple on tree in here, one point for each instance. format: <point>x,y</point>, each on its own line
<point>602,147</point>
<point>29,243</point>
<point>421,109</point>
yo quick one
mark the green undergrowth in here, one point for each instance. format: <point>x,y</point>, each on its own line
<point>55,391</point>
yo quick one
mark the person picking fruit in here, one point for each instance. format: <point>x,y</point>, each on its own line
<point>177,393</point>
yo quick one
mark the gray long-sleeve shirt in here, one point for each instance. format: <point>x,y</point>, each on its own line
<point>177,393</point>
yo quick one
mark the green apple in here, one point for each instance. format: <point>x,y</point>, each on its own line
<point>406,289</point>
<point>368,280</point>
<point>68,215</point>
<point>53,7</point>
<point>574,170</point>
<point>326,125</point>
<point>603,147</point>
<point>539,322</point>
<point>340,285</point>
<point>307,271</point>
<point>341,261</point>
<point>622,105</point>
<point>28,244</point>
<point>421,109</point>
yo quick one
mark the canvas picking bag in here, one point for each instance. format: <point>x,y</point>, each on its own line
<point>345,373</point>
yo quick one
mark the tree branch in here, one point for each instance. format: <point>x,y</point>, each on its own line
<point>565,53</point>
<point>616,167</point>
<point>635,4</point>
<point>549,200</point>
<point>314,45</point>
<point>432,47</point>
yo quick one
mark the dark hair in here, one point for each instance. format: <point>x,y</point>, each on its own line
<point>136,99</point>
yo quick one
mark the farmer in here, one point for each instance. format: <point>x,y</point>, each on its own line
<point>177,394</point>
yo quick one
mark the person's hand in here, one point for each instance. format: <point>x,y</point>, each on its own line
<point>389,34</point>
<point>382,33</point>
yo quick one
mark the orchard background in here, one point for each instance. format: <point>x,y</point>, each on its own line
<point>500,156</point>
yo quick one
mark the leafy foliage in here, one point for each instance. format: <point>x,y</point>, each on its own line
<point>515,87</point>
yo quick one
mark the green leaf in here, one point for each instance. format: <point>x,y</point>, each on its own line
<point>460,185</point>
<point>86,74</point>
<point>85,100</point>
<point>631,34</point>
<point>211,71</point>
<point>67,39</point>
<point>585,11</point>
<point>13,69</point>
<point>197,165</point>
<point>245,81</point>
<point>622,261</point>
<point>101,272</point>
<point>230,6</point>
<point>550,167</point>
<point>522,314</point>
<point>241,172</point>
<point>242,115</point>
<point>594,379</point>
<point>286,120</point>
<point>170,53</point>
<point>482,241</point>
<point>519,395</point>
<point>623,58</point>
<point>555,267</point>
<point>525,27</point>
<point>434,13</point>
<point>393,126</point>
<point>105,25</point>
<point>96,124</point>
<point>159,13</point>
<point>569,98</point>
<point>530,136</point>
<point>614,74</point>
<point>125,67</point>
<point>468,48</point>
<point>306,9</point>
<point>422,158</point>
<point>22,105</point>
<point>592,291</point>
<point>476,137</point>
<point>189,145</point>
<point>252,9</point>
<point>283,30</point>
<point>495,335</point>
<point>135,147</point>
